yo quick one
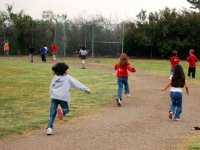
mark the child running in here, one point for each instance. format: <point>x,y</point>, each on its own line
<point>192,59</point>
<point>174,60</point>
<point>43,52</point>
<point>60,93</point>
<point>54,50</point>
<point>122,76</point>
<point>83,55</point>
<point>177,83</point>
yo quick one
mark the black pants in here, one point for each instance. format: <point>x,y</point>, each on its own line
<point>43,56</point>
<point>191,70</point>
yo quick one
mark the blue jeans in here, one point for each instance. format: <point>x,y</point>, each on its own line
<point>176,105</point>
<point>53,110</point>
<point>171,71</point>
<point>122,81</point>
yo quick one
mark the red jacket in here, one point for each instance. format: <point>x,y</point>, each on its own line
<point>192,59</point>
<point>174,60</point>
<point>53,48</point>
<point>122,70</point>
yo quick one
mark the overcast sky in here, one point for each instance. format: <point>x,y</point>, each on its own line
<point>121,9</point>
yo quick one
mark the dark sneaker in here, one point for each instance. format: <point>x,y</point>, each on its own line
<point>196,128</point>
<point>118,100</point>
<point>60,113</point>
<point>170,115</point>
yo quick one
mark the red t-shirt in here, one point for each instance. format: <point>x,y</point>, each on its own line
<point>122,70</point>
<point>54,48</point>
<point>192,59</point>
<point>174,60</point>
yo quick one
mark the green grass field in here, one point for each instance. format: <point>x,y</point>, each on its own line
<point>24,92</point>
<point>24,101</point>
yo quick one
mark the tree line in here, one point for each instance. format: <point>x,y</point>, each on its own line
<point>149,36</point>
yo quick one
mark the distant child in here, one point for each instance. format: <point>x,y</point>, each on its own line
<point>60,93</point>
<point>6,49</point>
<point>176,83</point>
<point>43,52</point>
<point>83,55</point>
<point>31,50</point>
<point>174,60</point>
<point>122,76</point>
<point>54,50</point>
<point>192,59</point>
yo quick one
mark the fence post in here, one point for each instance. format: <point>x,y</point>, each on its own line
<point>93,41</point>
<point>123,38</point>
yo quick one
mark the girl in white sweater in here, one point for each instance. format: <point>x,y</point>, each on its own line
<point>60,93</point>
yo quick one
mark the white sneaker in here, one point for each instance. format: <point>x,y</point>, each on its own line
<point>128,95</point>
<point>177,119</point>
<point>49,131</point>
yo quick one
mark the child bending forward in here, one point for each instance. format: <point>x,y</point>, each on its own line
<point>122,76</point>
<point>176,83</point>
<point>60,93</point>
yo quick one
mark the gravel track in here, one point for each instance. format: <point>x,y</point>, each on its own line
<point>141,123</point>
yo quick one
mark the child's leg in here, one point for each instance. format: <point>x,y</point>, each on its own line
<point>83,63</point>
<point>189,71</point>
<point>53,112</point>
<point>126,86</point>
<point>171,71</point>
<point>64,106</point>
<point>179,105</point>
<point>193,72</point>
<point>120,87</point>
<point>44,58</point>
<point>173,102</point>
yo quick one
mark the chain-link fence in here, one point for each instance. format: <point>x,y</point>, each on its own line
<point>102,40</point>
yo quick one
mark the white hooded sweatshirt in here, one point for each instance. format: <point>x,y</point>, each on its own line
<point>61,85</point>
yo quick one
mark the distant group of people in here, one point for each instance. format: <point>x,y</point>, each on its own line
<point>192,59</point>
<point>43,52</point>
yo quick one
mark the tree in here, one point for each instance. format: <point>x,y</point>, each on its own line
<point>195,4</point>
<point>23,24</point>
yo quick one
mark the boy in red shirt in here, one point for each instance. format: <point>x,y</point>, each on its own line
<point>122,75</point>
<point>174,60</point>
<point>192,59</point>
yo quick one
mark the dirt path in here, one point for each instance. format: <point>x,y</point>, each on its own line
<point>140,124</point>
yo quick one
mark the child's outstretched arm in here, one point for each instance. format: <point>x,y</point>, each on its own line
<point>78,85</point>
<point>130,68</point>
<point>168,85</point>
<point>116,66</point>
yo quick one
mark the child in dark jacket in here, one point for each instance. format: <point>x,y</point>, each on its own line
<point>122,68</point>
<point>43,52</point>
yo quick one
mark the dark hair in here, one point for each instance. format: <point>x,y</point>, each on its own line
<point>178,79</point>
<point>192,51</point>
<point>60,68</point>
<point>83,48</point>
<point>174,53</point>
